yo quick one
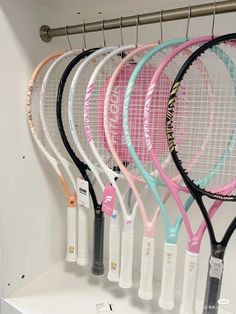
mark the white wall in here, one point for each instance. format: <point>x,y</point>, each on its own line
<point>32,211</point>
<point>32,208</point>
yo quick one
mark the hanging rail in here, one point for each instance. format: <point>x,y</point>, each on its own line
<point>47,33</point>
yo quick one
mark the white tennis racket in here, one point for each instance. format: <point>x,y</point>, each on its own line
<point>33,115</point>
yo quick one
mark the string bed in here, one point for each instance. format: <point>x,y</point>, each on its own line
<point>50,100</point>
<point>78,98</point>
<point>218,111</point>
<point>136,111</point>
<point>96,113</point>
<point>34,96</point>
<point>158,109</point>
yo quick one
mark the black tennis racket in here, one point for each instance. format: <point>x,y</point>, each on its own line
<point>219,156</point>
<point>63,125</point>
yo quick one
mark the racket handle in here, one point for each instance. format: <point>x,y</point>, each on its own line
<point>189,285</point>
<point>83,247</point>
<point>126,260</point>
<point>114,250</point>
<point>166,300</point>
<point>98,236</point>
<point>71,234</point>
<point>213,286</point>
<point>147,264</point>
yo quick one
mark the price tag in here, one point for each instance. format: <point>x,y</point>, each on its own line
<point>104,308</point>
<point>82,192</point>
<point>108,202</point>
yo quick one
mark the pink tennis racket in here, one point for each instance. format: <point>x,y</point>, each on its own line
<point>121,153</point>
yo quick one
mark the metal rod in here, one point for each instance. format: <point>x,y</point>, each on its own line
<point>47,33</point>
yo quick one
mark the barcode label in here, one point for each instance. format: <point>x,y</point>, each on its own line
<point>82,192</point>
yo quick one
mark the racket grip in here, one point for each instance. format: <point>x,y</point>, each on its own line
<point>213,286</point>
<point>83,247</point>
<point>189,285</point>
<point>114,250</point>
<point>126,260</point>
<point>147,264</point>
<point>166,300</point>
<point>98,236</point>
<point>71,234</point>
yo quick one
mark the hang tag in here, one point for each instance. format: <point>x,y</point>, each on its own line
<point>104,307</point>
<point>82,192</point>
<point>108,202</point>
<point>217,267</point>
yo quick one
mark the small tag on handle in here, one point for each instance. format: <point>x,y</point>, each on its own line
<point>108,202</point>
<point>217,267</point>
<point>82,192</point>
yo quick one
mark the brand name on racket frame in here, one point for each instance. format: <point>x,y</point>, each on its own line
<point>114,113</point>
<point>169,116</point>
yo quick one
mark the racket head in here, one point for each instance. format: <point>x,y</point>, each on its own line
<point>32,103</point>
<point>218,156</point>
<point>48,103</point>
<point>76,110</point>
<point>63,98</point>
<point>94,110</point>
<point>136,143</point>
<point>155,141</point>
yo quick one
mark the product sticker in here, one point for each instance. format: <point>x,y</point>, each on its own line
<point>108,200</point>
<point>82,192</point>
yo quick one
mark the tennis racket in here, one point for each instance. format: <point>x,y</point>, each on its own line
<point>48,98</point>
<point>64,127</point>
<point>218,156</point>
<point>132,116</point>
<point>116,90</point>
<point>118,148</point>
<point>176,57</point>
<point>93,115</point>
<point>78,130</point>
<point>33,115</point>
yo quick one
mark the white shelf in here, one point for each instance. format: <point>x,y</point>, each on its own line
<point>69,289</point>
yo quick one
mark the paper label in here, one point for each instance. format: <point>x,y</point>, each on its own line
<point>82,192</point>
<point>104,308</point>
<point>217,267</point>
<point>108,200</point>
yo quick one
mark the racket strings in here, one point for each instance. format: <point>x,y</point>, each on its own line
<point>136,111</point>
<point>35,108</point>
<point>50,101</point>
<point>35,98</point>
<point>78,100</point>
<point>162,83</point>
<point>115,115</point>
<point>64,106</point>
<point>96,114</point>
<point>212,116</point>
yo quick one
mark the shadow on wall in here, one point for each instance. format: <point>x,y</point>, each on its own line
<point>24,18</point>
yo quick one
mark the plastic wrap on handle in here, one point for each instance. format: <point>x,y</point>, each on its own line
<point>114,249</point>
<point>147,264</point>
<point>213,286</point>
<point>71,255</point>
<point>190,283</point>
<point>166,300</point>
<point>126,259</point>
<point>83,247</point>
<point>98,235</point>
